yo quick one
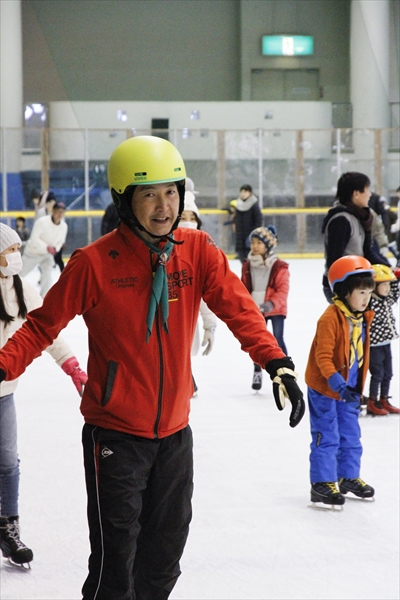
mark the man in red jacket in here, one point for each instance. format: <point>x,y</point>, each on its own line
<point>139,290</point>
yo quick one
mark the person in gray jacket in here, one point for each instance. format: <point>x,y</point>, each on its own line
<point>347,226</point>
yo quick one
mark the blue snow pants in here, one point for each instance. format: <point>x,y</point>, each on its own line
<point>336,439</point>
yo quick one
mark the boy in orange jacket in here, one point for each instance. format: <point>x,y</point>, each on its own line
<point>335,376</point>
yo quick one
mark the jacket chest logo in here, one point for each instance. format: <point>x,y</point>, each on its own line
<point>178,280</point>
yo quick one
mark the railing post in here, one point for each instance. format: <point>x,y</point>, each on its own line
<point>260,168</point>
<point>378,161</point>
<point>4,168</point>
<point>86,169</point>
<point>221,185</point>
<point>45,155</point>
<point>86,175</point>
<point>300,202</point>
<point>338,153</point>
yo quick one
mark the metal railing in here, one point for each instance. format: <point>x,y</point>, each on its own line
<point>293,172</point>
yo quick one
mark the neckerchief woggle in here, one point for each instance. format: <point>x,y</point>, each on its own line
<point>356,345</point>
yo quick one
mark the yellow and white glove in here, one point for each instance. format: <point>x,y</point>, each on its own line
<point>281,371</point>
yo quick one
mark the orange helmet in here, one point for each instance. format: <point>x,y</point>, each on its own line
<point>345,266</point>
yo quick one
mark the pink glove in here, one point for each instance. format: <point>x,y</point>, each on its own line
<point>71,367</point>
<point>51,250</point>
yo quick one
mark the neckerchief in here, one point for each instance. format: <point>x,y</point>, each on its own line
<point>159,288</point>
<point>356,345</point>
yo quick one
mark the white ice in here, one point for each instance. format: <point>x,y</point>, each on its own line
<point>253,534</point>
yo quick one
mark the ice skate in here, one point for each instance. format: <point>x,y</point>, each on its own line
<point>384,401</point>
<point>376,408</point>
<point>257,378</point>
<point>11,545</point>
<point>357,487</point>
<point>326,496</point>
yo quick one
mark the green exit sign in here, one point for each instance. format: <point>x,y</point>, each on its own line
<point>287,45</point>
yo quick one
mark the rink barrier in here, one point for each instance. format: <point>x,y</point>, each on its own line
<point>93,217</point>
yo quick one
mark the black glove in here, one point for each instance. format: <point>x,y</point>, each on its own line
<point>2,375</point>
<point>281,371</point>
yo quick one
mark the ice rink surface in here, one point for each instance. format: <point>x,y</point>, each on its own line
<point>253,534</point>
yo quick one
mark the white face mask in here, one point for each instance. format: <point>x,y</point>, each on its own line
<point>188,224</point>
<point>14,264</point>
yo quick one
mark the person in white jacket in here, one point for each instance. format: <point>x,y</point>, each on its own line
<point>191,219</point>
<point>43,203</point>
<point>17,298</point>
<point>47,238</point>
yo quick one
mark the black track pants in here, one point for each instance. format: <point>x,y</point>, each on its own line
<point>139,510</point>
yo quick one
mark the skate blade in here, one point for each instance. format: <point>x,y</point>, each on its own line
<point>350,496</point>
<point>23,566</point>
<point>326,507</point>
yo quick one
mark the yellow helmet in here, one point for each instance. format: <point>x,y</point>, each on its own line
<point>383,274</point>
<point>144,160</point>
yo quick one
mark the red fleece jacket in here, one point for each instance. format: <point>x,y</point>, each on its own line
<point>137,387</point>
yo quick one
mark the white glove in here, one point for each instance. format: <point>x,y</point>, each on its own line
<point>209,335</point>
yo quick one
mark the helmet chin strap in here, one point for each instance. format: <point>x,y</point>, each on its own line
<point>167,236</point>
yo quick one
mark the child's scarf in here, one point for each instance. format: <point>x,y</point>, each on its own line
<point>356,344</point>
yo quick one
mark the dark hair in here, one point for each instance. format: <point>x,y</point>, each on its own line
<point>247,188</point>
<point>22,309</point>
<point>348,183</point>
<point>50,196</point>
<point>198,220</point>
<point>358,281</point>
<point>58,205</point>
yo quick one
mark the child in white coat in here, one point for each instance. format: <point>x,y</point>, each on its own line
<point>191,220</point>
<point>17,298</point>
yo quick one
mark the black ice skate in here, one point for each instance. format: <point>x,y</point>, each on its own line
<point>325,495</point>
<point>10,543</point>
<point>357,487</point>
<point>257,378</point>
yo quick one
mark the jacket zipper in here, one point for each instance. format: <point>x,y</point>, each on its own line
<point>161,373</point>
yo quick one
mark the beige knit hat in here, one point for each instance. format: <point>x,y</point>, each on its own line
<point>8,237</point>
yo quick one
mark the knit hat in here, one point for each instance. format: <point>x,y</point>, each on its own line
<point>189,186</point>
<point>190,203</point>
<point>8,237</point>
<point>266,235</point>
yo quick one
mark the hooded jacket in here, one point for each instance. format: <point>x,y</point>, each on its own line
<point>137,387</point>
<point>330,351</point>
<point>278,285</point>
